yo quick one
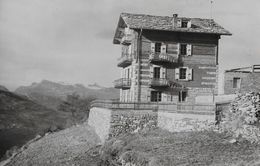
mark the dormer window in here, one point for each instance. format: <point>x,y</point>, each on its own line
<point>184,24</point>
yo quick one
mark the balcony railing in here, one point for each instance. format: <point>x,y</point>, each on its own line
<point>124,60</point>
<point>163,57</point>
<point>127,39</point>
<point>160,82</point>
<point>123,83</point>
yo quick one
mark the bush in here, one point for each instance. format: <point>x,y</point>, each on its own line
<point>242,119</point>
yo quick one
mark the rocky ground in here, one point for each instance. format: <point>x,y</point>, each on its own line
<point>72,146</point>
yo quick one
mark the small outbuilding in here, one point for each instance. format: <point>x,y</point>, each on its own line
<point>241,80</point>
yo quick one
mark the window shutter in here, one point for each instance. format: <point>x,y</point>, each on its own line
<point>189,24</point>
<point>152,47</point>
<point>178,48</point>
<point>129,49</point>
<point>177,73</point>
<point>164,97</point>
<point>190,74</point>
<point>179,23</point>
<point>163,73</point>
<point>163,48</point>
<point>189,49</point>
<point>151,71</point>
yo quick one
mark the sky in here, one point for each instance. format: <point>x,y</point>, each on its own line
<point>71,40</point>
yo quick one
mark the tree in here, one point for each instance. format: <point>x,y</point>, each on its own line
<point>78,107</point>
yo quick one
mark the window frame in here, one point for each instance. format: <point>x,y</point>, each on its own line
<point>156,96</point>
<point>237,83</point>
<point>157,73</point>
<point>183,46</point>
<point>184,22</point>
<point>180,73</point>
<point>157,47</point>
<point>182,96</point>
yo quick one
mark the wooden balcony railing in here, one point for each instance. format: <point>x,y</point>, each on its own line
<point>163,57</point>
<point>125,60</point>
<point>123,83</point>
<point>159,82</point>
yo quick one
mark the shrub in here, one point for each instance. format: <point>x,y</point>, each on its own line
<point>242,119</point>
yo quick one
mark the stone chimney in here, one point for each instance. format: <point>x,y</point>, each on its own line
<point>174,20</point>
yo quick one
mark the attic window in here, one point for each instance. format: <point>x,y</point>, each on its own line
<point>184,24</point>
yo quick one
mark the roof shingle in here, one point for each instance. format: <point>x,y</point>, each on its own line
<point>150,22</point>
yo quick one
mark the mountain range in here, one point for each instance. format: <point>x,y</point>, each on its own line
<point>22,119</point>
<point>51,94</point>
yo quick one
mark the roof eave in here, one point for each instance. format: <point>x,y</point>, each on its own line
<point>226,34</point>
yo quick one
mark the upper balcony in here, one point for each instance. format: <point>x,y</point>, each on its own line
<point>160,82</point>
<point>125,60</point>
<point>123,83</point>
<point>163,58</point>
<point>127,39</point>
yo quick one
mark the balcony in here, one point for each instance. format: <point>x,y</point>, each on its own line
<point>127,39</point>
<point>124,60</point>
<point>123,83</point>
<point>160,82</point>
<point>163,58</point>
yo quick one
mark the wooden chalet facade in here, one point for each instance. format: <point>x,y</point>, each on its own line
<point>167,59</point>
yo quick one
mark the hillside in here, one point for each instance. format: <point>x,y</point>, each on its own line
<point>22,119</point>
<point>72,146</point>
<point>51,94</point>
<point>78,145</point>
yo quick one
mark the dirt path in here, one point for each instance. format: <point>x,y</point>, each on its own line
<point>72,146</point>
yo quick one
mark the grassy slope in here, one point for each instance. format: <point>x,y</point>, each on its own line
<point>72,146</point>
<point>22,119</point>
<point>161,148</point>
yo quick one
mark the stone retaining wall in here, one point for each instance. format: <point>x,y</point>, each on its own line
<point>176,122</point>
<point>128,121</point>
<point>110,123</point>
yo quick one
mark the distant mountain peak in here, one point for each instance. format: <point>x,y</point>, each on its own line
<point>95,86</point>
<point>3,88</point>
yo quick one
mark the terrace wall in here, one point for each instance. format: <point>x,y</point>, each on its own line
<point>110,122</point>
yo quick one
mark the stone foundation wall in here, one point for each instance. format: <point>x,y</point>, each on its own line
<point>129,121</point>
<point>110,123</point>
<point>176,122</point>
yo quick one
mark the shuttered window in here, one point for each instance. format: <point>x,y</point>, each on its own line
<point>184,73</point>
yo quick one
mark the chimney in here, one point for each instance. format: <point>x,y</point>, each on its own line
<point>174,20</point>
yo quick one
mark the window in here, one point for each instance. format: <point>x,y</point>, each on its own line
<point>158,47</point>
<point>183,73</point>
<point>236,82</point>
<point>156,72</point>
<point>184,24</point>
<point>156,96</point>
<point>183,49</point>
<point>182,96</point>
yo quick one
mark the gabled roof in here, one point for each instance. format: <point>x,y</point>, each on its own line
<point>250,69</point>
<point>165,23</point>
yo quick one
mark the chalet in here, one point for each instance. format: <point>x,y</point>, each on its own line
<point>242,79</point>
<point>167,59</point>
